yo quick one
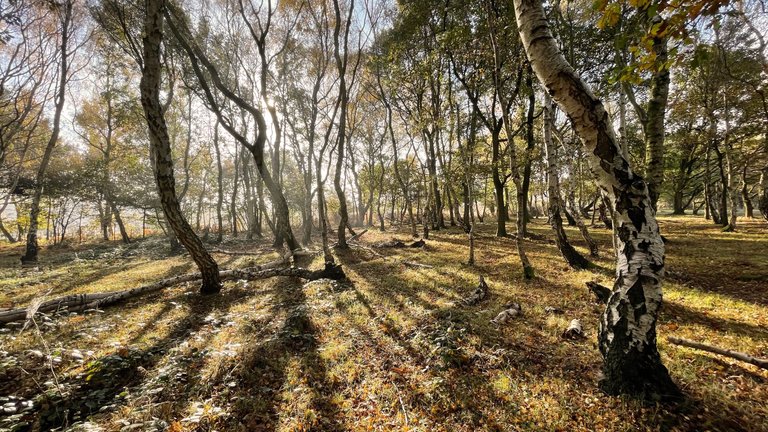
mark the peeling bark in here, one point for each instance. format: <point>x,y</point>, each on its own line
<point>627,334</point>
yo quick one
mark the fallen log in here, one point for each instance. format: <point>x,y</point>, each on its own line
<point>358,235</point>
<point>759,362</point>
<point>602,293</point>
<point>295,253</point>
<point>353,237</point>
<point>78,302</point>
<point>386,258</point>
<point>553,310</point>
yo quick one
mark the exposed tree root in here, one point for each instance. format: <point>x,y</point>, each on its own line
<point>295,253</point>
<point>79,302</point>
<point>416,265</point>
<point>759,362</point>
<point>234,253</point>
<point>601,293</point>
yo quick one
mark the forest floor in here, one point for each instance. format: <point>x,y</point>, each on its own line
<point>389,349</point>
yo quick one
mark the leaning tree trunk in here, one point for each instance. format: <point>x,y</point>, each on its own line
<point>30,255</point>
<point>591,244</point>
<point>555,207</point>
<point>627,333</point>
<point>161,147</point>
<point>123,232</point>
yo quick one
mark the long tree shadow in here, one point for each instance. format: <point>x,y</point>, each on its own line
<point>435,345</point>
<point>683,314</point>
<point>460,373</point>
<point>103,385</point>
<point>284,359</point>
<point>88,276</point>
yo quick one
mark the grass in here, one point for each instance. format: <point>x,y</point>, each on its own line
<point>389,349</point>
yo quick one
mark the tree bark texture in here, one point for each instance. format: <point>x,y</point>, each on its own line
<point>627,333</point>
<point>161,148</point>
<point>30,254</point>
<point>556,207</point>
<point>341,65</point>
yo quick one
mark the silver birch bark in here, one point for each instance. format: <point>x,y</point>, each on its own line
<point>555,205</point>
<point>160,146</point>
<point>627,333</point>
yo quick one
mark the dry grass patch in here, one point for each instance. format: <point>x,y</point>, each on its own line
<point>390,349</point>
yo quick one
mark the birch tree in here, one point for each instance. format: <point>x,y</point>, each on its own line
<point>627,333</point>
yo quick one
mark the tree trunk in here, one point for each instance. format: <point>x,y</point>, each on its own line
<point>30,255</point>
<point>723,189</point>
<point>260,210</point>
<point>711,210</point>
<point>6,233</point>
<point>749,208</point>
<point>591,244</point>
<point>381,191</point>
<point>525,186</point>
<point>341,65</point>
<point>678,207</point>
<point>161,147</point>
<point>555,207</point>
<point>250,202</point>
<point>730,186</point>
<point>627,333</point>
<point>395,161</point>
<point>498,185</point>
<point>105,218</point>
<point>233,201</point>
<point>763,201</point>
<point>654,124</point>
<point>123,232</point>
<point>220,183</point>
<point>282,226</point>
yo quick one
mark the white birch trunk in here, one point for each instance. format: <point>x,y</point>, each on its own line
<point>627,334</point>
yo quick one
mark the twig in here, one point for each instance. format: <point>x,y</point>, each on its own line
<point>402,405</point>
<point>759,362</point>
